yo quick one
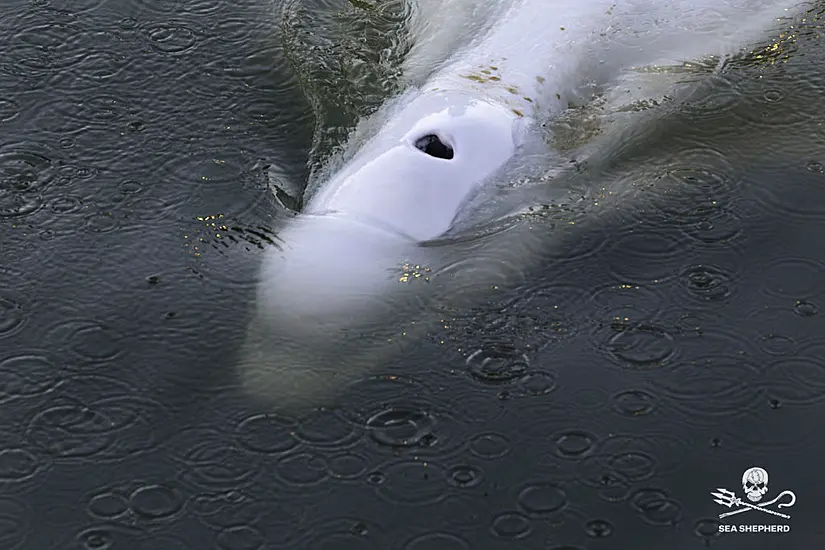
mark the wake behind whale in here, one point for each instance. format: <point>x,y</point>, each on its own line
<point>481,80</point>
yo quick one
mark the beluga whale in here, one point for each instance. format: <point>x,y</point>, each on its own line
<point>481,79</point>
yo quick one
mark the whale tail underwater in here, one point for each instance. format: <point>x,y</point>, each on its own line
<point>481,79</point>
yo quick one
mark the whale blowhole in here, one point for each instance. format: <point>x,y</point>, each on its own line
<point>435,147</point>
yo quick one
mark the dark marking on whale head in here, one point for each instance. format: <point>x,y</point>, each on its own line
<point>433,146</point>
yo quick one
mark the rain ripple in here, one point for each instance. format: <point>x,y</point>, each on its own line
<point>345,532</point>
<point>778,412</point>
<point>399,413</point>
<point>15,522</point>
<point>41,48</point>
<point>792,277</point>
<point>28,375</point>
<point>219,510</point>
<point>442,541</point>
<point>74,7</point>
<point>302,470</point>
<point>775,103</point>
<point>637,345</point>
<point>98,416</point>
<point>796,380</point>
<point>413,482</point>
<point>12,316</point>
<point>267,433</point>
<point>400,427</point>
<point>699,180</point>
<point>716,95</point>
<point>511,526</point>
<point>490,446</point>
<point>656,507</point>
<point>625,459</point>
<point>156,502</point>
<point>542,499</point>
<point>173,37</point>
<point>793,190</point>
<point>108,504</point>
<point>24,175</point>
<point>647,254</point>
<point>709,388</point>
<point>23,467</point>
<point>634,403</point>
<point>708,282</point>
<point>627,303</point>
<point>240,537</point>
<point>212,461</point>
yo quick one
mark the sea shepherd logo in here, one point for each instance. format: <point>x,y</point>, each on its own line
<point>755,486</point>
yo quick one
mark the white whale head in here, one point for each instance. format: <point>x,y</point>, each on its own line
<point>435,152</point>
<point>334,281</point>
<point>405,186</point>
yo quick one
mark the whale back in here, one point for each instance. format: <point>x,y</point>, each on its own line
<point>549,50</point>
<point>437,29</point>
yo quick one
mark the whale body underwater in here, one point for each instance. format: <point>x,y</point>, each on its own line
<point>480,80</point>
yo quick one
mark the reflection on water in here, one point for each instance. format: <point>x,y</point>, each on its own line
<point>651,351</point>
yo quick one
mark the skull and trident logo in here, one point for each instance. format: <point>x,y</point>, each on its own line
<point>755,486</point>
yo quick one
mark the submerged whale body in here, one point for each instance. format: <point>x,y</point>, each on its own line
<point>480,80</point>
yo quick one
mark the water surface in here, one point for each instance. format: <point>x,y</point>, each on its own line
<point>636,365</point>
